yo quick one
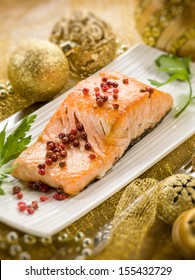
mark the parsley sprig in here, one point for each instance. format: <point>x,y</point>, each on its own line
<point>178,69</point>
<point>13,145</point>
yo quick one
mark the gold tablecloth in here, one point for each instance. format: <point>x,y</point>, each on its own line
<point>26,19</point>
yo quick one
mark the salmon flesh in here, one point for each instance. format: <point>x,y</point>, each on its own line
<point>91,130</point>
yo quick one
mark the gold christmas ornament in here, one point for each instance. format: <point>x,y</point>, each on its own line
<point>38,70</point>
<point>88,42</point>
<point>176,195</point>
<point>183,234</point>
<point>167,25</point>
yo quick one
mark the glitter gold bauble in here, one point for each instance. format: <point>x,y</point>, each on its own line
<point>183,234</point>
<point>176,195</point>
<point>88,42</point>
<point>38,70</point>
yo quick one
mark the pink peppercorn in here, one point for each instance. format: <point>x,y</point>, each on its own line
<point>104,98</point>
<point>19,195</point>
<point>92,156</point>
<point>72,138</point>
<point>51,146</point>
<point>97,94</point>
<point>56,196</point>
<point>41,172</point>
<point>41,166</point>
<point>44,188</point>
<point>88,146</point>
<point>62,196</point>
<point>105,88</point>
<point>16,189</point>
<point>62,147</point>
<point>61,135</point>
<point>62,164</point>
<point>49,161</point>
<point>84,135</point>
<point>116,90</point>
<point>76,143</point>
<point>43,198</point>
<point>104,79</point>
<point>97,89</point>
<point>85,90</point>
<point>102,84</point>
<point>115,96</point>
<point>65,140</point>
<point>79,126</point>
<point>30,210</point>
<point>125,81</point>
<point>63,153</point>
<point>35,205</point>
<point>54,159</point>
<point>73,131</point>
<point>100,102</point>
<point>115,106</point>
<point>22,206</point>
<point>115,84</point>
<point>109,83</point>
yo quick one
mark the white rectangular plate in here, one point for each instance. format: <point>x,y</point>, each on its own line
<point>137,62</point>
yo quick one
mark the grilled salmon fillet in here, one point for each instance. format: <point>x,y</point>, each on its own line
<point>91,130</point>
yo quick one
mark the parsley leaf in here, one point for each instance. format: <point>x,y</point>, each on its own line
<point>17,141</point>
<point>5,171</point>
<point>3,175</point>
<point>2,140</point>
<point>1,190</point>
<point>171,64</point>
<point>13,145</point>
<point>178,69</point>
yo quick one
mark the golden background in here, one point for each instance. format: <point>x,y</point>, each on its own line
<point>35,19</point>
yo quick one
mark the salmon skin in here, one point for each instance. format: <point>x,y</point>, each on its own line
<point>91,130</point>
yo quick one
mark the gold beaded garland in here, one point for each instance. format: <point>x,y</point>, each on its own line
<point>63,237</point>
<point>79,236</point>
<point>24,256</point>
<point>46,240</point>
<point>87,242</point>
<point>12,237</point>
<point>29,239</point>
<point>86,252</point>
<point>15,249</point>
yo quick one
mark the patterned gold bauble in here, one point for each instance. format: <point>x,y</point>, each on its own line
<point>183,234</point>
<point>88,42</point>
<point>167,25</point>
<point>176,195</point>
<point>38,70</point>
